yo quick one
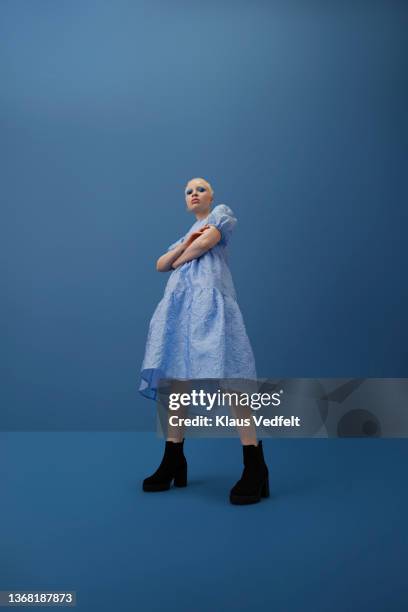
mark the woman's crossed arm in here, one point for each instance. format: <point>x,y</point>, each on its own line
<point>196,245</point>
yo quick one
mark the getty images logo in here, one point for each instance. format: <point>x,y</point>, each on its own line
<point>223,398</point>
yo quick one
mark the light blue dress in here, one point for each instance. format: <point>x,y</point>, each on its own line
<point>197,329</point>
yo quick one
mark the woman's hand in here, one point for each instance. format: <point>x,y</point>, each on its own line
<point>195,235</point>
<point>199,243</point>
<point>190,241</point>
<point>166,261</point>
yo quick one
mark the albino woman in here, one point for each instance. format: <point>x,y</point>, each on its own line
<point>197,331</point>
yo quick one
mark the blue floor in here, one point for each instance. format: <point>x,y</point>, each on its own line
<point>333,536</point>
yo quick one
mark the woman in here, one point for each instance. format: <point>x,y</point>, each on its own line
<point>197,331</point>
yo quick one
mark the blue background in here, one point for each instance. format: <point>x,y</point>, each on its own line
<point>296,113</point>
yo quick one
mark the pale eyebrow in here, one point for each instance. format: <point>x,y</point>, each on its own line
<point>187,188</point>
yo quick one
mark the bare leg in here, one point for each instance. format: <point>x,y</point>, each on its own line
<point>247,434</point>
<point>175,433</point>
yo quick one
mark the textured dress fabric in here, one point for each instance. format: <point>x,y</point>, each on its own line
<point>197,329</point>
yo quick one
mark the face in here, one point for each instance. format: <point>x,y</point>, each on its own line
<point>198,196</point>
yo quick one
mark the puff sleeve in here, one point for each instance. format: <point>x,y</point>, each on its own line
<point>222,217</point>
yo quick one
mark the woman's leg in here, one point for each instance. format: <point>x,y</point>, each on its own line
<point>174,464</point>
<point>254,481</point>
<point>247,433</point>
<point>175,433</point>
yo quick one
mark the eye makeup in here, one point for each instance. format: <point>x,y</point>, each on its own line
<point>200,188</point>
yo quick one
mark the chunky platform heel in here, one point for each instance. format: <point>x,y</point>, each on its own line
<point>254,482</point>
<point>172,467</point>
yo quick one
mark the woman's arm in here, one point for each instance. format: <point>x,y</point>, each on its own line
<point>206,241</point>
<point>164,262</point>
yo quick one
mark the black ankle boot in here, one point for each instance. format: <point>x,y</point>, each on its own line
<point>254,482</point>
<point>173,465</point>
